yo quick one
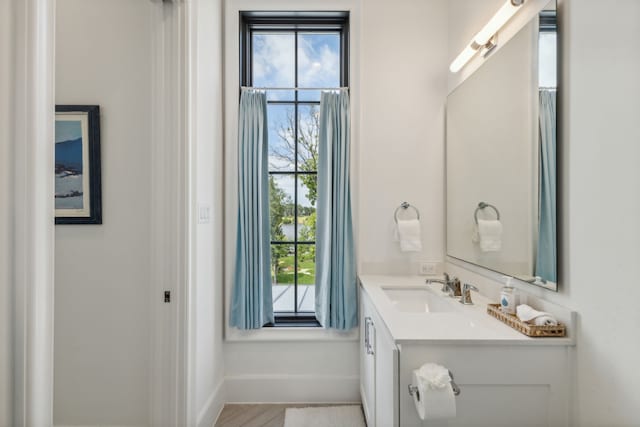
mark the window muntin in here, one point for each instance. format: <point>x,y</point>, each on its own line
<point>282,54</point>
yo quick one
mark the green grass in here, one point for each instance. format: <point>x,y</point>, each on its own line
<point>289,219</point>
<point>306,274</point>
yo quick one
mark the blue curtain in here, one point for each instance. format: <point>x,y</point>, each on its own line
<point>546,260</point>
<point>336,287</point>
<point>251,304</point>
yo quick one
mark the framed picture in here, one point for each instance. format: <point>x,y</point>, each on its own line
<point>78,197</point>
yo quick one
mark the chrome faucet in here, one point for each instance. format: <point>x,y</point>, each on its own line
<point>447,284</point>
<point>466,294</point>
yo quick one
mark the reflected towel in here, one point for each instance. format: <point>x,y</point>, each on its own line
<point>409,235</point>
<point>539,318</point>
<point>490,235</point>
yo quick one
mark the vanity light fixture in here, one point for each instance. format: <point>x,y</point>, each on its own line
<point>486,37</point>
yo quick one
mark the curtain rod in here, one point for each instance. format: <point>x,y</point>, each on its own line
<point>295,88</point>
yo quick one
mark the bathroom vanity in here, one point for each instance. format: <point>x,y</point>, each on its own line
<point>505,378</point>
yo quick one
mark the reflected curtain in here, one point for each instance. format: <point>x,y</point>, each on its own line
<point>251,304</point>
<point>336,287</point>
<point>546,261</point>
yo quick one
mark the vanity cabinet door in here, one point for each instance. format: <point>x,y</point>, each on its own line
<point>387,398</point>
<point>367,362</point>
<point>500,385</point>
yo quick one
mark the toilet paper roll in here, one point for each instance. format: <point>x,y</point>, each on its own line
<point>433,404</point>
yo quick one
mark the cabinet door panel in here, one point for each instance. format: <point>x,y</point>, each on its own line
<point>387,399</point>
<point>501,386</point>
<point>496,405</point>
<point>367,364</point>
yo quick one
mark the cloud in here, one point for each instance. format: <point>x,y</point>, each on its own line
<point>319,63</point>
<point>274,60</point>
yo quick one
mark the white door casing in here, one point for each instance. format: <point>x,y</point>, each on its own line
<point>26,211</point>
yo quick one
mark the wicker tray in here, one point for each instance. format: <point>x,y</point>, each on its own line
<point>512,320</point>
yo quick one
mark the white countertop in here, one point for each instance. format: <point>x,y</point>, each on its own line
<point>463,325</point>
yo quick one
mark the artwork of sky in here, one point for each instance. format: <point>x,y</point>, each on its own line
<point>67,130</point>
<point>274,65</point>
<point>68,152</point>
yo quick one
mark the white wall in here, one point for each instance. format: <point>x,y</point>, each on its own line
<point>6,211</point>
<point>401,152</point>
<point>208,370</point>
<point>398,85</point>
<point>599,206</point>
<point>601,246</point>
<point>102,271</point>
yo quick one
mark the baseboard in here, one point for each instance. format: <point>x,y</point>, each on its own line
<point>292,389</point>
<point>212,408</point>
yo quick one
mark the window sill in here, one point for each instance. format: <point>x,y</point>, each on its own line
<point>290,333</point>
<point>294,320</point>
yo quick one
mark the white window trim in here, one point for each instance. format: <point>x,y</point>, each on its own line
<point>232,8</point>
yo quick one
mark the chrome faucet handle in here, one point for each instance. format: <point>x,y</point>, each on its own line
<point>446,282</point>
<point>450,287</point>
<point>466,294</point>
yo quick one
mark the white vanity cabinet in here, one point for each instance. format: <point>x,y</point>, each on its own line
<point>378,369</point>
<point>506,379</point>
<point>500,386</point>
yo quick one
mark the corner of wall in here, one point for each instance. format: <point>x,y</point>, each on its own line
<point>213,406</point>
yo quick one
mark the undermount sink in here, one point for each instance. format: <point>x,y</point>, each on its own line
<point>416,300</point>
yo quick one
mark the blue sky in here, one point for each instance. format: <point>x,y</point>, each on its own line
<point>548,59</point>
<point>67,130</point>
<point>274,66</point>
<point>274,61</point>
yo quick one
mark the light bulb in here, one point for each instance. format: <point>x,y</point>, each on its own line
<point>462,59</point>
<point>497,21</point>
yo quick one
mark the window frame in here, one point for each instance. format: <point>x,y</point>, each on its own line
<point>297,22</point>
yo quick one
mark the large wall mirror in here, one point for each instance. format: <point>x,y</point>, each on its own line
<point>501,158</point>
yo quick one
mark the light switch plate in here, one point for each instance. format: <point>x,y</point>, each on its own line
<point>204,214</point>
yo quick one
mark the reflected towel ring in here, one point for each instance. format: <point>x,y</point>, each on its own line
<point>483,205</point>
<point>405,206</point>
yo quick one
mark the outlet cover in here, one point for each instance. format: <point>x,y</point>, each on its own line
<point>428,268</point>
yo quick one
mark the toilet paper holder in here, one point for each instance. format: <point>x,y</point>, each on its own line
<point>414,389</point>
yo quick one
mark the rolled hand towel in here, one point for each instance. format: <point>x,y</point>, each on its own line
<point>490,235</point>
<point>410,235</point>
<point>539,318</point>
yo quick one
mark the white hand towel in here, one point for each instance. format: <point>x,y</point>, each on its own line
<point>410,235</point>
<point>490,235</point>
<point>539,318</point>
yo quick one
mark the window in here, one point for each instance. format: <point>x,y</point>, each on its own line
<point>547,50</point>
<point>293,55</point>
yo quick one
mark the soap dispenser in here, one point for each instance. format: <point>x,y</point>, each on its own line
<point>508,297</point>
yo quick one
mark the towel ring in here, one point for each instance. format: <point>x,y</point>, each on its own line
<point>405,206</point>
<point>483,205</point>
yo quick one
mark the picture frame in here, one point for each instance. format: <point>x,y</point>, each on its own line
<point>78,186</point>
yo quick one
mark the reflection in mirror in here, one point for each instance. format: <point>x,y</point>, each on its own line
<point>501,158</point>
